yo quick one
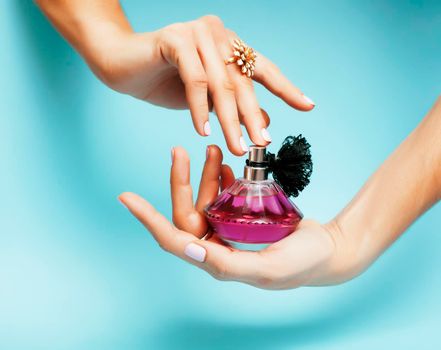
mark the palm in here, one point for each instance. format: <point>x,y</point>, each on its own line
<point>305,249</point>
<point>309,246</point>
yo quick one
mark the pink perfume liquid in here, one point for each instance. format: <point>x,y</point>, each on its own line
<point>253,212</point>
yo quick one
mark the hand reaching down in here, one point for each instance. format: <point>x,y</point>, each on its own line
<point>179,66</point>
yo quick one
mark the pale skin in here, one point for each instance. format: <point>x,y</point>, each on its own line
<point>406,185</point>
<point>180,66</point>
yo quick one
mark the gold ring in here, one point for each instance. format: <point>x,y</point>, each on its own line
<point>244,56</point>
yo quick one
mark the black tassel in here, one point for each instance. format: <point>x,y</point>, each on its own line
<point>292,167</point>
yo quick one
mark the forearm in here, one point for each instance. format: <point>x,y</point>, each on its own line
<point>90,26</point>
<point>402,189</point>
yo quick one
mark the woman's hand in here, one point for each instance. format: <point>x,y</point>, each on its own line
<point>306,257</point>
<point>179,66</point>
<point>182,66</point>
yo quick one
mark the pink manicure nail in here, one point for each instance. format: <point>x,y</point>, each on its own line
<point>308,100</point>
<point>207,128</point>
<point>266,135</point>
<point>243,144</point>
<point>196,252</point>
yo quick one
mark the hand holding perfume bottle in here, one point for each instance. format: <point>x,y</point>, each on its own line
<point>298,259</point>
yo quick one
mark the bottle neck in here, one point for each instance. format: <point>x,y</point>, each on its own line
<point>255,173</point>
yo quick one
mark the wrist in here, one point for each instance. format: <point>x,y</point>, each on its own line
<point>101,42</point>
<point>125,61</point>
<point>348,259</point>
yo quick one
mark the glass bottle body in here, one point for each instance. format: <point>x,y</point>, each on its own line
<point>253,212</point>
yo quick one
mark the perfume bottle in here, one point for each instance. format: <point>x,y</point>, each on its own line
<point>256,210</point>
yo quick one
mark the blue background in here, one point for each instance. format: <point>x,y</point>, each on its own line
<point>78,272</point>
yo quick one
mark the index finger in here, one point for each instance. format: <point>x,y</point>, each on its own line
<point>210,180</point>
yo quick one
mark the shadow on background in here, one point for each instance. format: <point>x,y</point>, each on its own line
<point>207,334</point>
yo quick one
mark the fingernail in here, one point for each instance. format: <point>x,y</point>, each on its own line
<point>266,135</point>
<point>243,144</point>
<point>308,100</point>
<point>172,154</point>
<point>207,128</point>
<point>196,252</point>
<point>207,152</point>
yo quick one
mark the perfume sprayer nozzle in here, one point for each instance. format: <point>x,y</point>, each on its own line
<point>257,154</point>
<point>256,168</point>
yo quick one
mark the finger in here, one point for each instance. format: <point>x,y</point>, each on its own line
<point>265,117</point>
<point>227,177</point>
<point>193,76</point>
<point>221,261</point>
<point>246,100</point>
<point>210,180</point>
<point>220,87</point>
<point>249,110</point>
<point>181,191</point>
<point>270,76</point>
<point>185,216</point>
<point>168,236</point>
<point>251,114</point>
